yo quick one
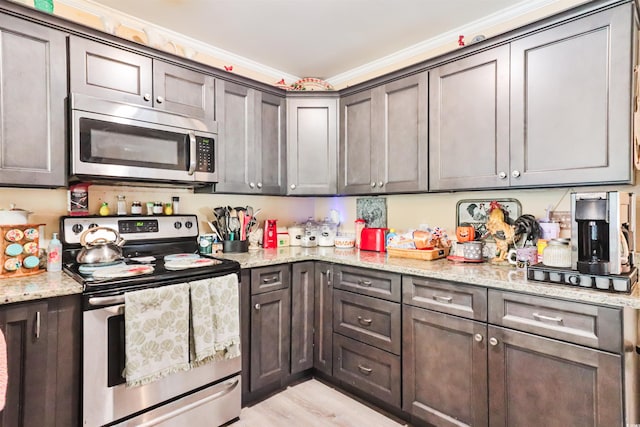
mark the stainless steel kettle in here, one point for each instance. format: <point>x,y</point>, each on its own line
<point>100,250</point>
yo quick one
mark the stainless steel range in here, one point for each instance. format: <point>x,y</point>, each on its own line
<point>158,251</point>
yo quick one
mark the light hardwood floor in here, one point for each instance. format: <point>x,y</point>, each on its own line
<point>312,404</point>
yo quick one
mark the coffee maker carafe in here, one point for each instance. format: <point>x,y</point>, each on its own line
<point>602,232</point>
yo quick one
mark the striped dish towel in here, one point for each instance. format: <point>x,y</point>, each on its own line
<point>215,319</point>
<point>156,327</point>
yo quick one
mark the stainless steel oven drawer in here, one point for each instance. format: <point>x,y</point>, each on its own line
<point>213,406</point>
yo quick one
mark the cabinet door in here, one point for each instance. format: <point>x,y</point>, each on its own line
<point>270,338</point>
<point>444,380</point>
<point>33,75</point>
<point>30,398</point>
<point>551,382</point>
<point>469,122</point>
<point>107,72</point>
<point>360,132</point>
<point>183,91</point>
<point>571,99</point>
<point>302,315</point>
<point>402,149</point>
<point>235,105</point>
<point>323,319</point>
<point>312,135</point>
<point>270,142</point>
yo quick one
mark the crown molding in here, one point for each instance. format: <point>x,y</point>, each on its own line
<point>138,24</point>
<point>442,40</point>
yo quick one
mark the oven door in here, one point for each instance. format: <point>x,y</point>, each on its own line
<point>105,397</point>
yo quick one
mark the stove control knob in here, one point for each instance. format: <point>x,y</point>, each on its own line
<point>93,225</point>
<point>188,224</point>
<point>177,225</point>
<point>77,228</point>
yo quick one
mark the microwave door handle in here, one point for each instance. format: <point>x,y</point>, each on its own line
<point>192,152</point>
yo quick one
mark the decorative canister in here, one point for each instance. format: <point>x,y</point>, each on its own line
<point>296,232</point>
<point>557,253</point>
<point>472,250</point>
<point>310,236</point>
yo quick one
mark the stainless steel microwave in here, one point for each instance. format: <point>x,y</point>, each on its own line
<point>112,141</point>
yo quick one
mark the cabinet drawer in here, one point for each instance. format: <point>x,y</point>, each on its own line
<point>266,279</point>
<point>585,324</point>
<point>370,320</point>
<point>367,282</point>
<point>367,368</point>
<point>446,297</point>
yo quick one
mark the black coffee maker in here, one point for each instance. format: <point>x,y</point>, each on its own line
<point>602,232</point>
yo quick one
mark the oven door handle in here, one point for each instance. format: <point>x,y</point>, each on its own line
<point>230,386</point>
<point>100,301</point>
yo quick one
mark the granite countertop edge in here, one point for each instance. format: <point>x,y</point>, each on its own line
<point>49,284</point>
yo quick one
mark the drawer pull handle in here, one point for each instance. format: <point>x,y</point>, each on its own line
<point>364,282</point>
<point>366,371</point>
<point>542,318</point>
<point>269,279</point>
<point>364,322</point>
<point>440,298</point>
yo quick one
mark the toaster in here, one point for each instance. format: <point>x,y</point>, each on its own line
<point>373,239</point>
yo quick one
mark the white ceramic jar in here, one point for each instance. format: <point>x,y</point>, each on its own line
<point>557,253</point>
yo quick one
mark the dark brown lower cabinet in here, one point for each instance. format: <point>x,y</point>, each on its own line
<point>43,362</point>
<point>459,372</point>
<point>302,315</point>
<point>270,338</point>
<point>444,380</point>
<point>552,382</point>
<point>323,319</point>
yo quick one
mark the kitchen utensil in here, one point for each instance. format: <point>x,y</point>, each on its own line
<point>243,235</point>
<point>100,249</point>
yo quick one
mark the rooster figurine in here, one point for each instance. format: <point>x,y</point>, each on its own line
<point>500,230</point>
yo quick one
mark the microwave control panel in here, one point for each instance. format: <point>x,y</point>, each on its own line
<point>205,154</point>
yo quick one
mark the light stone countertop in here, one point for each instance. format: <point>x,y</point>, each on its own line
<point>484,274</point>
<point>47,285</point>
<point>37,286</point>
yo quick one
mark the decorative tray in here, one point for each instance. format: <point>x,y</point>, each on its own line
<point>423,254</point>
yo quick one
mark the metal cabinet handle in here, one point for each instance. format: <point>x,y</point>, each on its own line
<point>542,318</point>
<point>478,337</point>
<point>292,186</point>
<point>440,298</point>
<point>380,184</point>
<point>37,331</point>
<point>493,341</point>
<point>259,185</point>
<point>364,282</point>
<point>364,370</point>
<point>373,184</point>
<point>147,97</point>
<point>329,277</point>
<point>364,322</point>
<point>252,185</point>
<point>192,152</point>
<point>269,279</point>
<point>502,175</point>
<point>159,100</point>
<point>515,173</point>
<point>257,306</point>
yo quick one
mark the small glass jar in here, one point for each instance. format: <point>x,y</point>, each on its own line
<point>121,206</point>
<point>157,208</point>
<point>557,253</point>
<point>136,208</point>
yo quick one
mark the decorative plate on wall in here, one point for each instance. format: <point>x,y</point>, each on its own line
<point>373,210</point>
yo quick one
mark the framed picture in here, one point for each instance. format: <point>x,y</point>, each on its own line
<point>476,212</point>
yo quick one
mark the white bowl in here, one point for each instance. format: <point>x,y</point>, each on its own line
<point>345,242</point>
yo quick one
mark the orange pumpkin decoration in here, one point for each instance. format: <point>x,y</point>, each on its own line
<point>465,233</point>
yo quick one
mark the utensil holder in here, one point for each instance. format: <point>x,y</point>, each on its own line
<point>234,246</point>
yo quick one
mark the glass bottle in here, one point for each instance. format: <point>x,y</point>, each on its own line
<point>122,205</point>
